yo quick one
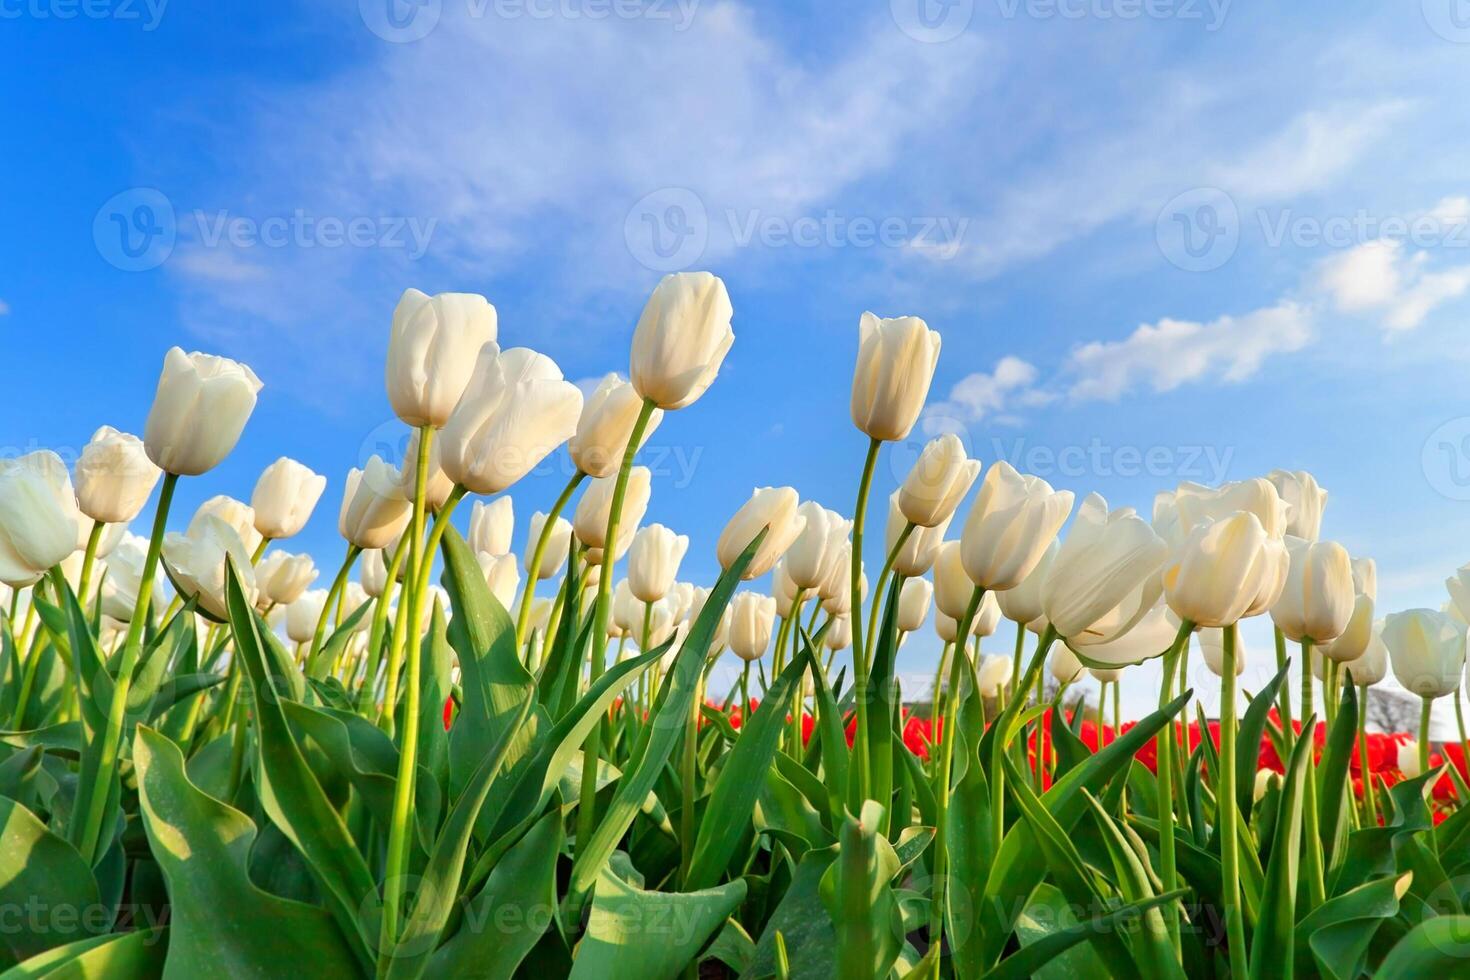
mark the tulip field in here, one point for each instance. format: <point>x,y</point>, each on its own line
<point>425,755</point>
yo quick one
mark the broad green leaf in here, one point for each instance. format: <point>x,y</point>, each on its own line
<point>1339,931</point>
<point>1047,946</point>
<point>649,935</point>
<point>1270,953</point>
<point>48,895</point>
<point>1248,735</point>
<point>135,955</point>
<point>857,892</point>
<point>1333,770</point>
<point>1437,947</point>
<point>969,832</point>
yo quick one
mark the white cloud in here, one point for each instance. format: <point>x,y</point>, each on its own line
<point>1384,278</point>
<point>1171,353</point>
<point>1011,385</point>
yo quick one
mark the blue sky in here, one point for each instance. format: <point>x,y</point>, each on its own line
<point>1165,240</point>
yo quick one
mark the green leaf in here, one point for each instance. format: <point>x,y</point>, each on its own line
<point>292,796</point>
<point>222,924</point>
<point>502,923</point>
<point>1270,953</point>
<point>833,741</point>
<point>1048,946</point>
<point>1151,942</point>
<point>1437,947</point>
<point>727,814</point>
<point>857,892</point>
<point>1252,729</point>
<point>121,956</point>
<point>649,935</point>
<point>48,896</point>
<point>1339,931</point>
<point>1333,769</point>
<point>969,834</point>
<point>802,920</point>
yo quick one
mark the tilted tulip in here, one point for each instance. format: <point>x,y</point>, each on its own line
<point>492,526</point>
<point>918,553</point>
<point>895,366</point>
<point>557,546</point>
<point>1358,633</point>
<point>437,484</point>
<point>811,557</point>
<point>1318,599</point>
<point>987,617</point>
<point>1219,571</point>
<point>752,617</point>
<point>684,595</point>
<point>114,477</point>
<point>913,603</point>
<point>1458,585</point>
<point>39,520</point>
<point>606,425</point>
<point>199,410</point>
<point>681,339</point>
<point>1013,520</point>
<point>303,615</point>
<point>952,587</point>
<point>946,627</point>
<point>783,590</point>
<point>1022,604</point>
<point>1305,499</point>
<point>372,571</point>
<point>237,514</point>
<point>768,507</point>
<point>993,674</point>
<point>938,482</point>
<point>501,575</point>
<point>1198,505</point>
<point>1427,651</point>
<point>839,603</point>
<point>111,536</point>
<point>284,498</point>
<point>124,577</point>
<point>1152,636</point>
<point>283,577</point>
<point>1104,578</point>
<point>196,563</point>
<point>627,612</point>
<point>839,634</point>
<point>374,508</point>
<point>515,411</point>
<point>590,520</point>
<point>1212,648</point>
<point>432,350</point>
<point>653,561</point>
<point>1371,666</point>
<point>1065,666</point>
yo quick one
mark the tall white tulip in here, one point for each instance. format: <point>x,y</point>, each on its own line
<point>590,519</point>
<point>768,507</point>
<point>39,520</point>
<point>283,577</point>
<point>557,545</point>
<point>114,476</point>
<point>492,525</point>
<point>1013,520</point>
<point>913,603</point>
<point>303,615</point>
<point>1217,574</point>
<point>653,561</point>
<point>993,674</point>
<point>1105,576</point>
<point>917,555</point>
<point>124,578</point>
<point>1305,499</point>
<point>1022,604</point>
<point>752,617</point>
<point>199,410</point>
<point>1318,599</point>
<point>375,510</point>
<point>1427,651</point>
<point>432,351</point>
<point>1358,634</point>
<point>895,366</point>
<point>606,425</point>
<point>952,587</point>
<point>238,514</point>
<point>1065,666</point>
<point>1212,648</point>
<point>987,617</point>
<point>811,557</point>
<point>938,482</point>
<point>196,562</point>
<point>681,339</point>
<point>515,410</point>
<point>1371,666</point>
<point>1458,585</point>
<point>285,495</point>
<point>501,575</point>
<point>839,634</point>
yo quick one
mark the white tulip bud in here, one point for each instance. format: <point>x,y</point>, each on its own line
<point>1022,604</point>
<point>284,498</point>
<point>895,366</point>
<point>952,587</point>
<point>1212,647</point>
<point>818,547</point>
<point>839,634</point>
<point>938,482</point>
<point>437,484</point>
<point>752,617</point>
<point>432,350</point>
<point>590,520</point>
<point>994,673</point>
<point>772,507</point>
<point>1065,666</point>
<point>653,561</point>
<point>1215,577</point>
<point>502,576</point>
<point>196,563</point>
<point>283,577</point>
<point>1370,667</point>
<point>1013,520</point>
<point>1198,505</point>
<point>374,508</point>
<point>681,339</point>
<point>557,546</point>
<point>1305,500</point>
<point>492,525</point>
<point>237,514</point>
<point>606,425</point>
<point>303,615</point>
<point>1105,576</point>
<point>199,410</point>
<point>917,555</point>
<point>114,477</point>
<point>913,603</point>
<point>1317,602</point>
<point>1427,650</point>
<point>125,577</point>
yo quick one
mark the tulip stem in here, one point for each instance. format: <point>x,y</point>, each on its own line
<point>96,808</point>
<point>945,652</point>
<point>380,627</point>
<point>1425,708</point>
<point>592,748</point>
<point>543,540</point>
<point>259,551</point>
<point>339,583</point>
<point>1164,764</point>
<point>860,674</point>
<point>1228,810</point>
<point>1283,699</point>
<point>1312,865</point>
<point>89,558</point>
<point>946,758</point>
<point>908,529</point>
<point>1364,765</point>
<point>1460,725</point>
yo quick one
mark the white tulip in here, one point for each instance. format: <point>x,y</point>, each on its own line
<point>374,508</point>
<point>284,498</point>
<point>752,617</point>
<point>1212,647</point>
<point>196,563</point>
<point>952,587</point>
<point>818,547</point>
<point>1104,578</point>
<point>590,520</point>
<point>1358,634</point>
<point>125,577</point>
<point>1223,569</point>
<point>987,617</point>
<point>1370,667</point>
<point>502,576</point>
<point>1318,599</point>
<point>303,615</point>
<point>491,526</point>
<point>237,514</point>
<point>432,349</point>
<point>918,553</point>
<point>1022,604</point>
<point>199,410</point>
<point>39,520</point>
<point>913,603</point>
<point>1065,666</point>
<point>283,577</point>
<point>557,546</point>
<point>653,561</point>
<point>1012,522</point>
<point>839,634</point>
<point>1198,505</point>
<point>437,484</point>
<point>994,673</point>
<point>768,507</point>
<point>114,477</point>
<point>938,482</point>
<point>1305,499</point>
<point>681,339</point>
<point>1427,651</point>
<point>606,425</point>
<point>895,366</point>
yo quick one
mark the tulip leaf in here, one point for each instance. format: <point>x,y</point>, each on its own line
<point>41,873</point>
<point>1435,947</point>
<point>650,935</point>
<point>856,889</point>
<point>222,925</point>
<point>1151,940</point>
<point>1270,947</point>
<point>336,644</point>
<point>138,955</point>
<point>1046,947</point>
<point>969,836</point>
<point>884,702</point>
<point>1333,769</point>
<point>1248,736</point>
<point>1339,931</point>
<point>831,739</point>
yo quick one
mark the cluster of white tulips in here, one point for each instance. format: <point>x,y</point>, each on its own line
<point>1111,591</point>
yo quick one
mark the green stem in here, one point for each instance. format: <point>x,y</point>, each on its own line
<point>1368,790</point>
<point>543,540</point>
<point>959,657</point>
<point>339,584</point>
<point>892,557</point>
<point>380,627</point>
<point>792,626</point>
<point>592,748</point>
<point>1312,865</point>
<point>1424,712</point>
<point>860,674</point>
<point>91,818</point>
<point>1283,699</point>
<point>1229,812</point>
<point>687,774</point>
<point>1168,870</point>
<point>259,551</point>
<point>89,558</point>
